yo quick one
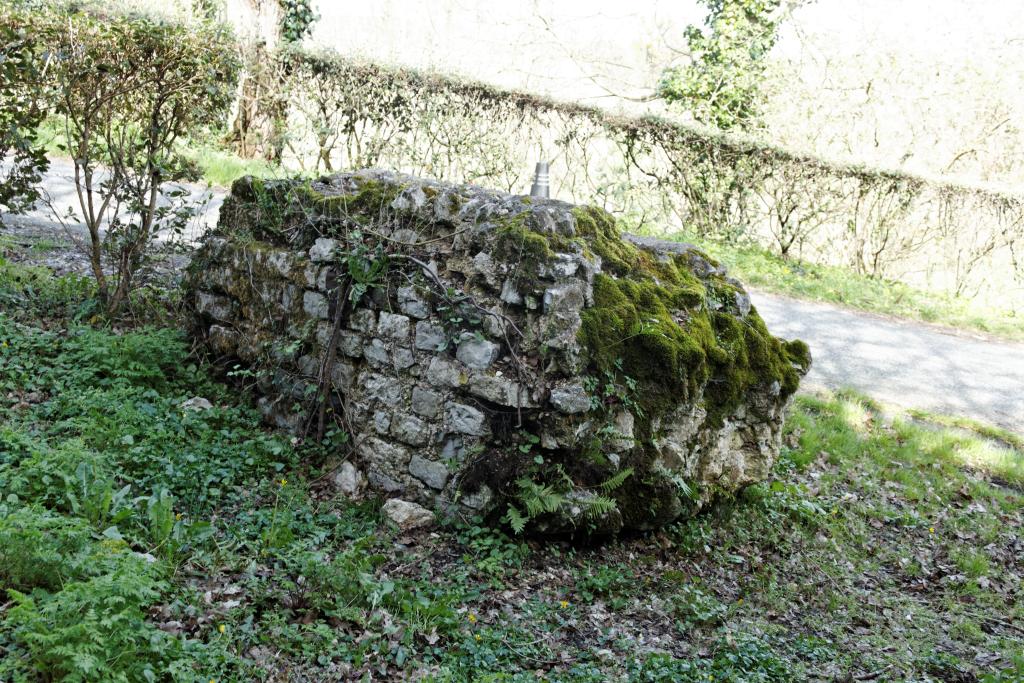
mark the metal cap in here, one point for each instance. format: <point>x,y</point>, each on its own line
<point>541,188</point>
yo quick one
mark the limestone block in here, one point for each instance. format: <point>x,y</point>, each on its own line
<point>322,250</point>
<point>433,474</point>
<point>393,326</point>
<point>430,336</point>
<point>468,363</point>
<point>466,420</point>
<point>426,402</point>
<point>315,305</point>
<point>406,515</point>
<point>478,354</point>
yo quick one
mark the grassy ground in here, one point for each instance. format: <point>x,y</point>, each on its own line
<point>221,167</point>
<point>759,268</point>
<point>141,541</point>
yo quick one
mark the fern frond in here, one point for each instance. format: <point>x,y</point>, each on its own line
<point>598,506</point>
<point>538,498</point>
<point>616,480</point>
<point>515,519</point>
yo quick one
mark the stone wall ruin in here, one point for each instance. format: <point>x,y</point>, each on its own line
<point>490,353</point>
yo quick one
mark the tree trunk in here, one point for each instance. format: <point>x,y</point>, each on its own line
<point>258,125</point>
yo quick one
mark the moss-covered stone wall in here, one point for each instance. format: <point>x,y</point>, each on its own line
<point>488,353</point>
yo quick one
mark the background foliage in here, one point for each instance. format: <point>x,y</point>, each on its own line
<point>125,90</point>
<point>654,174</point>
<point>320,111</point>
<point>22,68</point>
<point>721,86</point>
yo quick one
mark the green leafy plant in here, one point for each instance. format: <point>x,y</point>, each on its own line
<point>297,19</point>
<point>171,536</point>
<point>694,606</point>
<point>612,388</point>
<point>92,629</point>
<point>366,267</point>
<point>558,494</point>
<point>22,69</point>
<point>742,659</point>
<point>491,551</point>
<point>126,89</point>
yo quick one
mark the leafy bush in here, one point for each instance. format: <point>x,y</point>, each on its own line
<point>127,88</point>
<point>22,112</point>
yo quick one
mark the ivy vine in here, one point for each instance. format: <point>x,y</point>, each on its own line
<point>297,19</point>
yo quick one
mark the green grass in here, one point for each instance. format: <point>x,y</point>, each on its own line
<point>220,167</point>
<point>991,432</point>
<point>35,246</point>
<point>140,541</point>
<point>757,267</point>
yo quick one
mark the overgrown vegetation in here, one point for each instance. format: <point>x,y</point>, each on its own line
<point>143,540</point>
<point>721,85</point>
<point>126,89</point>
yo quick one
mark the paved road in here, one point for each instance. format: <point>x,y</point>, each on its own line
<point>908,364</point>
<point>903,363</point>
<point>60,194</point>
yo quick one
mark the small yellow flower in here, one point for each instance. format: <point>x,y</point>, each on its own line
<point>563,604</point>
<point>178,516</point>
<point>283,482</point>
<point>221,628</point>
<point>478,638</point>
<point>931,530</point>
<point>472,618</point>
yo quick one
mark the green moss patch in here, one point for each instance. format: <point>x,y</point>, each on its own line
<point>656,322</point>
<point>370,201</point>
<point>293,213</point>
<point>672,337</point>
